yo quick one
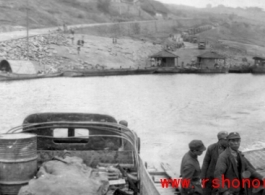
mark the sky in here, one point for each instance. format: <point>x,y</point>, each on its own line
<point>229,3</point>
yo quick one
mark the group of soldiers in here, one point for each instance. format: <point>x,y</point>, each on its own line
<point>223,171</point>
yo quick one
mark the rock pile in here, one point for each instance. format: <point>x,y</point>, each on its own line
<point>38,49</point>
<point>55,52</point>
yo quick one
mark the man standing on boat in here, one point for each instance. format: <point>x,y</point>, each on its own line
<point>233,166</point>
<point>190,168</point>
<point>210,160</point>
<point>127,145</point>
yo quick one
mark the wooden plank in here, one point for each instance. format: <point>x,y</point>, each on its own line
<point>115,164</point>
<point>172,175</point>
<point>157,172</point>
<point>157,178</point>
<point>147,186</point>
<point>117,182</point>
<point>169,171</point>
<point>166,191</point>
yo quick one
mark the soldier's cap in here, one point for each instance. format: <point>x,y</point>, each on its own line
<point>233,135</point>
<point>197,145</point>
<point>123,122</point>
<point>222,135</point>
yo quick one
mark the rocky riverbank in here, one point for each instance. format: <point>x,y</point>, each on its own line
<point>57,52</point>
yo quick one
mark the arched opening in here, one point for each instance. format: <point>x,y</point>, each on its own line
<point>5,66</point>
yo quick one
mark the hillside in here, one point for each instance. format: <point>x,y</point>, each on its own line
<point>50,13</point>
<point>232,32</point>
<point>236,30</point>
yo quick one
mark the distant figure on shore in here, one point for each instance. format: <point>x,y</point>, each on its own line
<point>159,62</point>
<point>83,41</point>
<point>182,64</point>
<point>183,45</point>
<point>72,31</point>
<point>72,35</point>
<point>114,40</point>
<point>64,28</point>
<point>79,43</point>
<point>153,62</point>
<point>72,38</point>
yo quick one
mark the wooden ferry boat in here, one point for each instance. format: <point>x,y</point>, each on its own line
<point>14,76</point>
<point>109,72</point>
<point>213,70</point>
<point>240,70</point>
<point>6,73</point>
<point>97,139</point>
<point>167,70</point>
<point>204,70</point>
<point>258,70</point>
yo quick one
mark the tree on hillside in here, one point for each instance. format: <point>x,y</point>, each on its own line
<point>104,5</point>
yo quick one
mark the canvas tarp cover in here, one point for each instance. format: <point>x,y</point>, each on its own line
<point>70,176</point>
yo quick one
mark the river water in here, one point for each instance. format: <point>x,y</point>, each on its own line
<point>167,111</point>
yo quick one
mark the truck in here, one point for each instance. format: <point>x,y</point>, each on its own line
<point>201,45</point>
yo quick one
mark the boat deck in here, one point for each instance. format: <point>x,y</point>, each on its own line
<point>156,176</point>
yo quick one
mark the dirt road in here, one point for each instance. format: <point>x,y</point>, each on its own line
<point>33,32</point>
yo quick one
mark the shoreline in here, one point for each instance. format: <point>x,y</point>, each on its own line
<point>119,72</point>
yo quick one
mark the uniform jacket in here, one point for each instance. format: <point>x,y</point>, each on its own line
<point>208,167</point>
<point>226,166</point>
<point>190,169</point>
<point>210,161</point>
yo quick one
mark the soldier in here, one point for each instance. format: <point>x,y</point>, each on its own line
<point>190,168</point>
<point>132,137</point>
<point>233,166</point>
<point>127,145</point>
<point>210,160</point>
<point>124,123</point>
